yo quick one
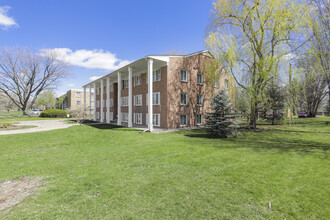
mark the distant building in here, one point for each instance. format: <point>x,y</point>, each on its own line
<point>74,99</point>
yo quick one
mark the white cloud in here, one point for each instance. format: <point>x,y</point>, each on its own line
<point>71,85</point>
<point>6,21</point>
<point>92,59</point>
<point>94,78</point>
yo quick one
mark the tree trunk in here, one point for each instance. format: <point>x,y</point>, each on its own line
<point>328,107</point>
<point>254,115</point>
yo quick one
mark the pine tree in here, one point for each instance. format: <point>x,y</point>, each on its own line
<point>220,122</point>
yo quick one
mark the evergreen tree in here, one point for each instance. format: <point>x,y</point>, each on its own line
<point>219,122</point>
<point>275,102</point>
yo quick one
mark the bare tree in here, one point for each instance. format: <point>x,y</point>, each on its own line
<point>24,75</point>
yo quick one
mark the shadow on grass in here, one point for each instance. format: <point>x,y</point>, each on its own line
<point>111,127</point>
<point>281,142</point>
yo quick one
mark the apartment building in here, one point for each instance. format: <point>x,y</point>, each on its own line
<point>156,91</point>
<point>74,99</point>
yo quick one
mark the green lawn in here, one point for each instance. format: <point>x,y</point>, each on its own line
<point>106,172</point>
<point>23,118</point>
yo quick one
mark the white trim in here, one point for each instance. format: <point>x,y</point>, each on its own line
<point>157,124</point>
<point>182,80</point>
<point>136,98</point>
<point>155,93</point>
<point>136,117</point>
<point>124,119</point>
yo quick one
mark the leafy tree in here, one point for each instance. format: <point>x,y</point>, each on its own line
<point>219,122</point>
<point>251,38</point>
<point>47,99</point>
<point>275,102</point>
<point>24,75</point>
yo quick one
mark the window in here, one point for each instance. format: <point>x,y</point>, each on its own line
<point>78,94</point>
<point>110,102</point>
<point>111,88</point>
<point>98,91</point>
<point>184,99</point>
<point>111,116</point>
<point>97,104</point>
<point>92,104</point>
<point>156,75</point>
<point>155,98</point>
<point>226,83</point>
<point>78,102</point>
<point>97,115</point>
<point>199,78</point>
<point>200,100</point>
<point>125,117</point>
<point>103,102</point>
<point>216,83</point>
<point>184,76</point>
<point>199,119</point>
<point>183,120</point>
<point>137,80</point>
<point>124,101</point>
<point>137,118</point>
<point>155,119</point>
<point>125,84</point>
<point>138,100</point>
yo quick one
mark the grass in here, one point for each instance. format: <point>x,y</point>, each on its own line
<point>106,172</point>
<point>24,118</point>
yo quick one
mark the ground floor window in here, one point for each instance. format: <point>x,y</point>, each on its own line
<point>97,115</point>
<point>111,102</point>
<point>199,119</point>
<point>155,119</point>
<point>125,117</point>
<point>138,118</point>
<point>111,116</point>
<point>184,120</point>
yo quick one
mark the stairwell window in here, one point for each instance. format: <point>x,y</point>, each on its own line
<point>124,101</point>
<point>199,119</point>
<point>156,75</point>
<point>199,100</point>
<point>184,99</point>
<point>184,76</point>
<point>199,78</point>
<point>125,84</point>
<point>138,100</point>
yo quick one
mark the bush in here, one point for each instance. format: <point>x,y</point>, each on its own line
<point>54,113</point>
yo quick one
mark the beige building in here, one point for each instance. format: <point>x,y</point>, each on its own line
<point>180,96</point>
<point>75,98</point>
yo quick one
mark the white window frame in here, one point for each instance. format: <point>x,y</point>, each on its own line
<point>111,87</point>
<point>111,116</point>
<point>124,101</point>
<point>216,83</point>
<point>226,84</point>
<point>137,118</point>
<point>201,117</point>
<point>124,116</point>
<point>78,94</point>
<point>186,120</point>
<point>137,80</point>
<point>200,97</point>
<point>155,120</point>
<point>136,98</point>
<point>110,102</point>
<point>202,78</point>
<point>181,103</point>
<point>181,79</point>
<point>97,104</point>
<point>153,99</point>
<point>156,75</point>
<point>98,91</point>
<point>125,83</point>
<point>97,115</point>
<point>92,103</point>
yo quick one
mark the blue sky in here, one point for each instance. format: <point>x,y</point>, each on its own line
<point>98,36</point>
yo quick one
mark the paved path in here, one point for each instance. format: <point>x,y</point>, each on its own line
<point>43,125</point>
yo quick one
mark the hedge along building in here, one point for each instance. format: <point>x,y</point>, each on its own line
<point>165,91</point>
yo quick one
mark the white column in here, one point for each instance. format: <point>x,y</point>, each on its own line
<point>85,104</point>
<point>150,112</point>
<point>130,92</point>
<point>108,100</point>
<point>94,101</point>
<point>102,106</point>
<point>119,100</point>
<point>90,102</point>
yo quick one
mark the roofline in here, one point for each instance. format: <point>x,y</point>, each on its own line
<point>146,57</point>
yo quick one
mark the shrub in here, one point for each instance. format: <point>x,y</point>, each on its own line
<point>54,113</point>
<point>220,122</point>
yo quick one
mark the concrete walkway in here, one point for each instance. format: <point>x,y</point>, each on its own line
<point>43,125</point>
